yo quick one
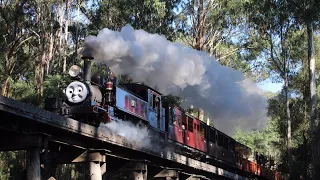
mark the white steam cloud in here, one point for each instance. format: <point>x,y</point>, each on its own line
<point>134,133</point>
<point>230,99</point>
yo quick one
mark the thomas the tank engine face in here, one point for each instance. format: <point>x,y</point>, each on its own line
<point>76,92</point>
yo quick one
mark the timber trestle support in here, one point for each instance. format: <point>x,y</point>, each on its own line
<point>51,140</point>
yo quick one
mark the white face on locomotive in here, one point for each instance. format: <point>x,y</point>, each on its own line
<point>76,92</point>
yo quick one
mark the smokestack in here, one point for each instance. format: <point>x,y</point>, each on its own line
<point>87,68</point>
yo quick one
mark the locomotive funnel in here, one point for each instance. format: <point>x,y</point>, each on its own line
<point>87,68</point>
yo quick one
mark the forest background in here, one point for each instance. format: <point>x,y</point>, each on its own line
<point>268,40</point>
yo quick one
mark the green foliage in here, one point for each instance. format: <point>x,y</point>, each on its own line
<point>172,100</point>
<point>54,85</point>
<point>300,129</point>
<point>305,10</point>
<point>219,28</point>
<point>25,91</point>
<point>71,171</point>
<point>265,141</point>
<point>11,164</point>
<point>154,16</point>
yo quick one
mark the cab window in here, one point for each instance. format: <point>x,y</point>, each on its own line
<point>190,124</point>
<point>202,129</point>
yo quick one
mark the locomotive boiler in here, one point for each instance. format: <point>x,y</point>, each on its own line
<point>96,99</point>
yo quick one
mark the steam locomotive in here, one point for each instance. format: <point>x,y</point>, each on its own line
<point>96,99</point>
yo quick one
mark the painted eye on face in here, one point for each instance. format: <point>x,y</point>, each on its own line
<point>76,92</point>
<point>79,89</point>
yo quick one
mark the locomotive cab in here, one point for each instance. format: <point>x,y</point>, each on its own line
<point>156,113</point>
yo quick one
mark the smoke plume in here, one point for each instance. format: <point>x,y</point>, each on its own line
<point>230,99</point>
<point>134,133</point>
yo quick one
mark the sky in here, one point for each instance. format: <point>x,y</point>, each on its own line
<point>269,86</point>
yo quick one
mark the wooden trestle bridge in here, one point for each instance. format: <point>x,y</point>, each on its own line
<point>50,139</point>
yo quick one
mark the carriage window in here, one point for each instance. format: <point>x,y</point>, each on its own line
<point>190,124</point>
<point>173,116</point>
<point>158,101</point>
<point>202,130</point>
<point>184,121</point>
<point>226,142</point>
<point>238,148</point>
<point>176,118</point>
<point>154,101</point>
<point>212,135</point>
<point>151,102</point>
<point>143,94</point>
<point>232,145</point>
<point>220,139</point>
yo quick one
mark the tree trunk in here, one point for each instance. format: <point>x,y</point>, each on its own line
<point>198,25</point>
<point>77,36</point>
<point>305,155</point>
<point>201,25</point>
<point>9,66</point>
<point>286,88</point>
<point>39,72</point>
<point>5,86</point>
<point>314,122</point>
<point>39,67</point>
<point>306,97</point>
<point>49,59</point>
<point>60,32</point>
<point>289,145</point>
<point>66,37</point>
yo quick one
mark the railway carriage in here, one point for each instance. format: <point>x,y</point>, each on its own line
<point>96,99</point>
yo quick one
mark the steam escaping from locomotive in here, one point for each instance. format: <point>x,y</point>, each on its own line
<point>230,99</point>
<point>135,134</point>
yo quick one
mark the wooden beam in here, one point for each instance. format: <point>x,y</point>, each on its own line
<point>90,157</point>
<point>188,176</point>
<point>172,178</point>
<point>103,168</point>
<point>139,175</point>
<point>95,171</point>
<point>167,173</point>
<point>193,178</point>
<point>74,156</point>
<point>23,141</point>
<point>33,163</point>
<point>139,170</point>
<point>135,166</point>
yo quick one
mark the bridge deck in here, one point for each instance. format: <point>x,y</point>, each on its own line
<point>20,117</point>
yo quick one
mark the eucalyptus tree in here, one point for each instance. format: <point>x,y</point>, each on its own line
<point>215,27</point>
<point>15,32</point>
<point>274,25</point>
<point>307,13</point>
